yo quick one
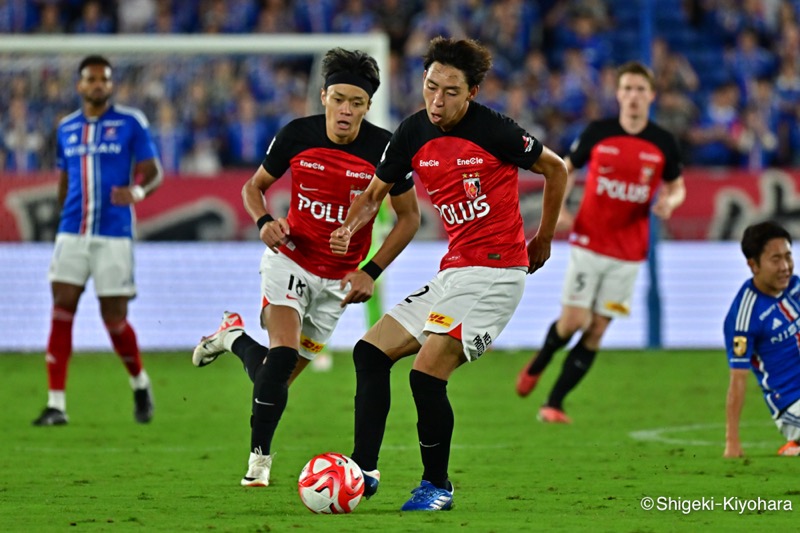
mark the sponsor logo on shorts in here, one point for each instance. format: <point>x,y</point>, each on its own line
<point>440,320</point>
<point>310,345</point>
<point>482,343</point>
<point>617,307</point>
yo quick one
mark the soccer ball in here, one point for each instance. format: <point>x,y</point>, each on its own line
<point>331,483</point>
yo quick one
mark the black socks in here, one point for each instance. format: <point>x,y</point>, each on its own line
<point>576,365</point>
<point>270,393</point>
<point>372,402</point>
<point>434,425</point>
<point>552,343</point>
<point>250,352</point>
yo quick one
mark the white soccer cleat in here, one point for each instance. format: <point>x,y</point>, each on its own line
<point>213,346</point>
<point>258,467</point>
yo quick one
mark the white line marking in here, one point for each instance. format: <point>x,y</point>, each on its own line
<point>660,435</point>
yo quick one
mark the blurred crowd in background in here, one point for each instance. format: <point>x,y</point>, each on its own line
<point>728,71</point>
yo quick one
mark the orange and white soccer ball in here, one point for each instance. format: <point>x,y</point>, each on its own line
<point>331,483</point>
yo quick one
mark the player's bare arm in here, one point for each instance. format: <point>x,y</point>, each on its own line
<point>151,177</point>
<point>275,232</point>
<point>554,170</point>
<point>565,218</point>
<point>733,411</point>
<point>406,208</point>
<point>670,197</point>
<point>361,211</point>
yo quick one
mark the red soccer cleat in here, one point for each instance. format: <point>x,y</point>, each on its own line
<point>212,346</point>
<point>526,382</point>
<point>551,415</point>
<point>790,449</point>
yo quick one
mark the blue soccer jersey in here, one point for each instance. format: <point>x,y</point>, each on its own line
<point>762,333</point>
<point>99,153</point>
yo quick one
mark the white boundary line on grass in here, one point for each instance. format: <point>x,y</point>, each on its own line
<point>201,449</point>
<point>660,435</point>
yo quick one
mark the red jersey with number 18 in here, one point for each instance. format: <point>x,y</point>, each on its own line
<point>326,178</point>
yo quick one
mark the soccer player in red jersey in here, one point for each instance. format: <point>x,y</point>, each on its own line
<point>332,158</point>
<point>468,158</point>
<point>630,160</point>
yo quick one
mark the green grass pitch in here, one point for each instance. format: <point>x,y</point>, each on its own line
<point>646,424</point>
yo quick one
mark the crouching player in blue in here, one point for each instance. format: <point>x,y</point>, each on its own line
<point>762,334</point>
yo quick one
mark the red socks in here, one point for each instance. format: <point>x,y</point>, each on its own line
<point>59,348</point>
<point>124,340</point>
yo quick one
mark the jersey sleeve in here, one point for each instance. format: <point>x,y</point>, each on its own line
<point>279,154</point>
<point>395,163</point>
<point>61,161</point>
<point>739,335</point>
<point>515,145</point>
<point>673,166</point>
<point>143,146</point>
<point>581,148</point>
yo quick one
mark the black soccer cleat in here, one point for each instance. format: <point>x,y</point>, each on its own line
<point>51,417</point>
<point>143,405</point>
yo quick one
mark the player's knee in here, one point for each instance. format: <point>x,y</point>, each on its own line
<point>367,357</point>
<point>279,365</point>
<point>425,384</point>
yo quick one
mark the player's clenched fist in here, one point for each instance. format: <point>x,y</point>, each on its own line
<point>275,233</point>
<point>340,240</point>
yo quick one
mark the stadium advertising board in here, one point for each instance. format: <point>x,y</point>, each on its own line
<point>719,204</point>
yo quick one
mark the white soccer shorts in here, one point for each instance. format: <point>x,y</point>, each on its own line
<point>108,260</point>
<point>316,300</point>
<point>474,303</point>
<point>789,422</point>
<point>598,282</point>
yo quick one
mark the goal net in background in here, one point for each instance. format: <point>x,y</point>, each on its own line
<point>192,89</point>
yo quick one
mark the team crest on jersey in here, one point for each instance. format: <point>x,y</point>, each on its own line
<point>354,193</point>
<point>472,185</point>
<point>739,345</point>
<point>110,133</point>
<point>647,173</point>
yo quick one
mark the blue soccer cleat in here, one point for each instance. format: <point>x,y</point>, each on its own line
<point>372,478</point>
<point>428,497</point>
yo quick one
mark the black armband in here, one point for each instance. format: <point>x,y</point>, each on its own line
<point>372,269</point>
<point>263,220</point>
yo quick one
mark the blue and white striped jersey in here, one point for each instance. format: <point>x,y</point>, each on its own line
<point>99,153</point>
<point>762,333</point>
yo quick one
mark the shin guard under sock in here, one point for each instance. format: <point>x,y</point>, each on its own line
<point>576,366</point>
<point>372,402</point>
<point>270,393</point>
<point>434,425</point>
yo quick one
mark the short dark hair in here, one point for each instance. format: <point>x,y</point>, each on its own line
<point>338,60</point>
<point>756,237</point>
<point>635,67</point>
<point>93,60</point>
<point>467,55</point>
